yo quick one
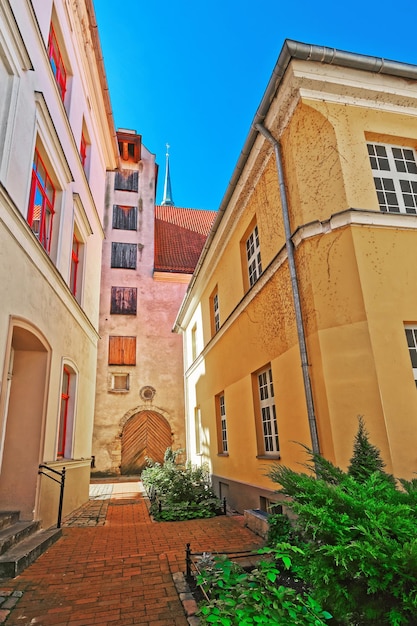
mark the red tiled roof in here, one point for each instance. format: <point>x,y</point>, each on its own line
<point>180,235</point>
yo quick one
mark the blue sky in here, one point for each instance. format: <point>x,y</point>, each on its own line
<point>192,73</point>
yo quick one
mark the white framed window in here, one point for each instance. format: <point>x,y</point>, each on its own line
<point>197,430</point>
<point>216,313</point>
<point>253,256</point>
<point>411,335</point>
<point>194,342</point>
<point>222,424</point>
<point>268,411</point>
<point>394,170</point>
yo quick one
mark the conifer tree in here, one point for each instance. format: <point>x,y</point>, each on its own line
<point>366,457</point>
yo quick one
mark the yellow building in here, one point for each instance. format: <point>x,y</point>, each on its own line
<point>302,314</point>
<point>57,140</point>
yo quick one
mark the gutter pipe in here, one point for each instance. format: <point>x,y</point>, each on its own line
<point>295,290</point>
<point>306,52</point>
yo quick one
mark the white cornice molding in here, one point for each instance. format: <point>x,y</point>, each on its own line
<point>17,228</point>
<point>349,217</point>
<point>20,53</point>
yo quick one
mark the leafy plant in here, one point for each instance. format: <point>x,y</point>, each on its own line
<point>280,530</point>
<point>240,598</point>
<point>182,491</point>
<point>359,536</point>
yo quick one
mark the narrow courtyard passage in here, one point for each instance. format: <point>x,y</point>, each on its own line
<point>113,565</point>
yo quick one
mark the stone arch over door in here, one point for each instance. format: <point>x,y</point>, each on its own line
<point>147,434</point>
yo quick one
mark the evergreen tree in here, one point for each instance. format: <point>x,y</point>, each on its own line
<point>366,457</point>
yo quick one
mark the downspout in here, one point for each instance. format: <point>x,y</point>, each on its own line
<point>295,291</point>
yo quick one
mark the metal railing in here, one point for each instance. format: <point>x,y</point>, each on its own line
<point>60,482</point>
<point>192,558</point>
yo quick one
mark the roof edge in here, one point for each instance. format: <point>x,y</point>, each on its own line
<point>292,49</point>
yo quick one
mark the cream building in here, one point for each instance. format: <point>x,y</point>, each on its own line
<point>302,314</point>
<point>56,142</point>
<point>149,255</point>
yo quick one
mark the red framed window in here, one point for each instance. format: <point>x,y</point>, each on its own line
<point>63,417</point>
<point>83,149</point>
<point>75,259</point>
<point>41,203</point>
<point>57,63</point>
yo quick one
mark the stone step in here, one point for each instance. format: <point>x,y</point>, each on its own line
<point>7,518</point>
<point>22,554</point>
<point>11,535</point>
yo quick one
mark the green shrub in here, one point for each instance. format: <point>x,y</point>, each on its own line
<point>360,539</point>
<point>183,491</point>
<point>280,530</point>
<point>240,598</point>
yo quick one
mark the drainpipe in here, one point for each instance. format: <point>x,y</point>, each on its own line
<point>295,290</point>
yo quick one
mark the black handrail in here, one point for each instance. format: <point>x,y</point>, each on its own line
<point>61,482</point>
<point>231,554</point>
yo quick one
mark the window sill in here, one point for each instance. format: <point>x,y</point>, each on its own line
<point>118,390</point>
<point>269,457</point>
<point>222,454</point>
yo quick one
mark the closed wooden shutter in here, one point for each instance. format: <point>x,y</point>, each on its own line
<point>124,217</point>
<point>124,255</point>
<point>122,350</point>
<point>126,180</point>
<point>123,300</point>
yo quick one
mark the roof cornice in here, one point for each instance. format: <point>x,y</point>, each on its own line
<point>306,52</point>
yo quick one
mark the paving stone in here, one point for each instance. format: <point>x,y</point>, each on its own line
<point>113,563</point>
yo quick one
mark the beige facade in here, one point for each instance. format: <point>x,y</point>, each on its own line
<point>333,147</point>
<point>140,393</point>
<point>56,143</point>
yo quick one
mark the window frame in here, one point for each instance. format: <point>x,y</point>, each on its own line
<point>214,311</point>
<point>66,417</point>
<point>266,413</point>
<point>411,338</point>
<point>198,438</point>
<point>253,256</point>
<point>47,206</point>
<point>56,60</point>
<point>75,263</point>
<point>119,375</point>
<point>221,418</point>
<point>394,170</point>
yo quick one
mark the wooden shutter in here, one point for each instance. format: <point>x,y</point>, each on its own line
<point>126,180</point>
<point>122,350</point>
<point>124,255</point>
<point>123,300</point>
<point>124,217</point>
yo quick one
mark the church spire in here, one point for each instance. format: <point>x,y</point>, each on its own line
<point>167,199</point>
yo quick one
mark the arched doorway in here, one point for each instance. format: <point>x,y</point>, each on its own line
<point>26,374</point>
<point>146,434</point>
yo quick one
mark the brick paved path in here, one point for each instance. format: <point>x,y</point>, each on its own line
<point>118,571</point>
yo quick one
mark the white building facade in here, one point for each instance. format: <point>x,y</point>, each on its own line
<point>57,141</point>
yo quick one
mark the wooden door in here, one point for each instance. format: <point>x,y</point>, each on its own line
<point>146,435</point>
